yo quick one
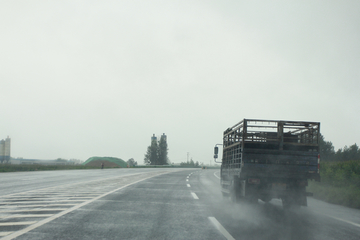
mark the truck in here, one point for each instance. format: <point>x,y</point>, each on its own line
<point>266,159</point>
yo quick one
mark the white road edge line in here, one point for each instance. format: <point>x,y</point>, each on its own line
<point>221,228</point>
<point>194,195</point>
<point>339,219</point>
<point>25,216</point>
<point>343,220</point>
<point>17,223</point>
<point>188,185</point>
<point>42,222</point>
<point>216,176</point>
<point>33,210</point>
<point>2,234</point>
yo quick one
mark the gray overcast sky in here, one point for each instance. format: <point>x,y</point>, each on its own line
<point>98,78</point>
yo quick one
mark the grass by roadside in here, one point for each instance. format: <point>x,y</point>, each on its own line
<point>347,196</point>
<point>340,183</point>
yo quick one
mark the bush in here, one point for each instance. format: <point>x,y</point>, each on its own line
<point>340,183</point>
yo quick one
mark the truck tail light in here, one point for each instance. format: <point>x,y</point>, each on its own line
<point>318,168</point>
<point>254,181</point>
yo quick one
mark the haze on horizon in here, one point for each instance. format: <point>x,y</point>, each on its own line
<point>98,78</point>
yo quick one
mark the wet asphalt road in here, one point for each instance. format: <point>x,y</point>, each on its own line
<point>154,204</point>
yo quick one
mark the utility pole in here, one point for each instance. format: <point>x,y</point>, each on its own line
<point>188,157</point>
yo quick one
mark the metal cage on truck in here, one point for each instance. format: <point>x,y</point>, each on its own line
<point>266,153</point>
<point>268,136</point>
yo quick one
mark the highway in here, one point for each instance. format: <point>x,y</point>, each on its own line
<point>157,203</point>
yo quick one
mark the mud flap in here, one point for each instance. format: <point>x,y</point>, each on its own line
<point>242,188</point>
<point>303,200</point>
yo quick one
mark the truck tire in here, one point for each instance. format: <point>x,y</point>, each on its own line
<point>252,200</point>
<point>234,192</point>
<point>225,195</point>
<point>290,203</point>
<point>266,198</point>
<point>295,199</point>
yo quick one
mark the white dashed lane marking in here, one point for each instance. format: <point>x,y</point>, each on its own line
<point>188,185</point>
<point>194,195</point>
<point>221,228</point>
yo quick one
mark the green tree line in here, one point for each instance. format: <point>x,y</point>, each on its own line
<point>328,153</point>
<point>190,163</point>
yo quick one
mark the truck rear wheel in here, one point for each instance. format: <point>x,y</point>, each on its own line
<point>290,203</point>
<point>225,195</point>
<point>252,200</point>
<point>235,191</point>
<point>266,198</point>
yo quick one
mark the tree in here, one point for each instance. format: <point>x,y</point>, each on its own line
<point>192,162</point>
<point>348,153</point>
<point>151,156</point>
<point>354,152</point>
<point>163,151</point>
<point>131,162</point>
<point>157,152</point>
<point>61,160</point>
<point>327,151</point>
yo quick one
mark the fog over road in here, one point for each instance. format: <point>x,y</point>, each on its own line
<point>153,204</point>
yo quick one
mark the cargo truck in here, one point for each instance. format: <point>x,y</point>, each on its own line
<point>266,159</point>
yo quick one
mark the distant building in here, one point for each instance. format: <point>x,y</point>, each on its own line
<point>5,150</point>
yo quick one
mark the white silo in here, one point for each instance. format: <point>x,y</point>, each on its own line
<point>7,149</point>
